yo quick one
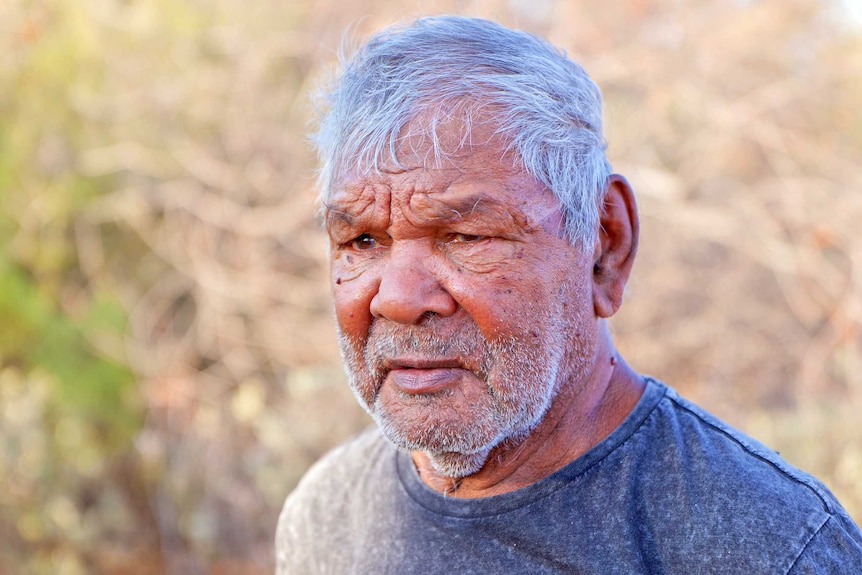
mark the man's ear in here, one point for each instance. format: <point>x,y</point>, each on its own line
<point>615,249</point>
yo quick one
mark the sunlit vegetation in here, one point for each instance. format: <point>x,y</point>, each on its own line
<point>168,366</point>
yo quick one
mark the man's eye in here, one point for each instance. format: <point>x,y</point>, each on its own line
<point>363,243</point>
<point>466,238</point>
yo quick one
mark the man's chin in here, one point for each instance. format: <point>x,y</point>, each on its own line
<point>450,456</point>
<point>452,464</point>
<point>458,465</point>
<point>456,448</point>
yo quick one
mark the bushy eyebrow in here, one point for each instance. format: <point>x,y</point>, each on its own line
<point>452,209</point>
<point>330,212</point>
<point>340,223</point>
<point>467,206</point>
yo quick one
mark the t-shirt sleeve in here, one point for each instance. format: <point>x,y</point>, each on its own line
<point>315,533</point>
<point>307,537</point>
<point>286,539</point>
<point>835,549</point>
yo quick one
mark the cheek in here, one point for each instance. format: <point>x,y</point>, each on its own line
<point>517,301</point>
<point>352,291</point>
<point>495,303</point>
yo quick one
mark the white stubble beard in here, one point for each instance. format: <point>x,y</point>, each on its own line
<point>522,380</point>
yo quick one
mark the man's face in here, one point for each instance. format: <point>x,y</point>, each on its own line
<point>461,306</point>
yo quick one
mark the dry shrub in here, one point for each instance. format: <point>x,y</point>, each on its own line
<point>737,124</point>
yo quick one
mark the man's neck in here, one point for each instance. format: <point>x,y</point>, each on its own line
<point>579,418</point>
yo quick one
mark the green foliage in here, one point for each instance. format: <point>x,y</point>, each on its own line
<point>90,386</point>
<point>43,198</point>
<point>70,408</point>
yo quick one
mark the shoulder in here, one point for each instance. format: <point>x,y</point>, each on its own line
<point>329,490</point>
<point>835,548</point>
<point>721,454</point>
<point>717,493</point>
<point>347,461</point>
<point>348,464</point>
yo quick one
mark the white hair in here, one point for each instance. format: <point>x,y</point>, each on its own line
<point>544,105</point>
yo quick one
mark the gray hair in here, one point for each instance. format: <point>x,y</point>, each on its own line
<point>545,106</point>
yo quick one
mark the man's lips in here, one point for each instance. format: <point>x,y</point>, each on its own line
<point>422,363</point>
<point>424,376</point>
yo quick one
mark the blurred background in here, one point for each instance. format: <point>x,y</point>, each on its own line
<point>168,366</point>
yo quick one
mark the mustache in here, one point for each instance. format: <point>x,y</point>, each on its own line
<point>431,339</point>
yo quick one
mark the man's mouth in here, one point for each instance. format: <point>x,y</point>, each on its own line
<point>424,376</point>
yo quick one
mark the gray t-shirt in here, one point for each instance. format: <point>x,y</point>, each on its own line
<point>671,490</point>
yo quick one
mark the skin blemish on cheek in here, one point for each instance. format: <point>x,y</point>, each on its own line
<point>350,259</point>
<point>346,275</point>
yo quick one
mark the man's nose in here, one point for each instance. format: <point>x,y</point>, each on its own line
<point>408,289</point>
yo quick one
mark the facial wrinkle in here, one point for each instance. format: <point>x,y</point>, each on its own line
<point>349,210</point>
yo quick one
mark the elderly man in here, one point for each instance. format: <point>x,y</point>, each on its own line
<point>478,244</point>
